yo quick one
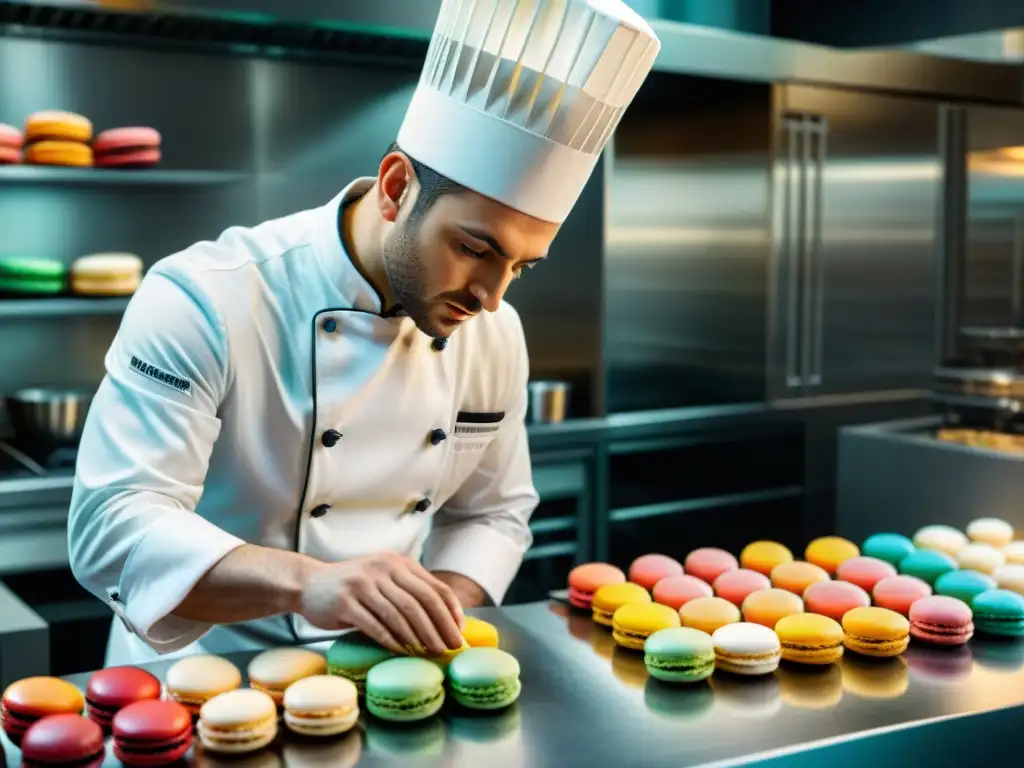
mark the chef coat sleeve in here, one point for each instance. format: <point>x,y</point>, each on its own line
<point>134,539</point>
<point>483,530</point>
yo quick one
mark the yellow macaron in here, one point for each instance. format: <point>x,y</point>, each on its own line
<point>479,633</point>
<point>633,623</point>
<point>762,556</point>
<point>829,552</point>
<point>609,598</point>
<point>876,631</point>
<point>809,638</point>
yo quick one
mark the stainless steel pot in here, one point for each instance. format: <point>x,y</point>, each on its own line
<point>549,401</point>
<point>45,419</point>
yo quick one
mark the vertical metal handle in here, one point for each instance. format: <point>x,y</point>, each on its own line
<point>815,267</point>
<point>791,246</point>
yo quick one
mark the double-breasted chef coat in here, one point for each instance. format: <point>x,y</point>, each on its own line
<point>256,393</point>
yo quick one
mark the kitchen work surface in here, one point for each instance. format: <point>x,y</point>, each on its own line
<point>587,702</point>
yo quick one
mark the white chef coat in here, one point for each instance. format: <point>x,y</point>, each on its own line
<point>211,428</point>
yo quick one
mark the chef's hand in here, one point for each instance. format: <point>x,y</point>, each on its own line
<point>391,598</point>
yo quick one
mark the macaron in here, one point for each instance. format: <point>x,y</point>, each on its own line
<point>274,670</point>
<point>941,620</point>
<point>321,706</point>
<point>940,538</point>
<point>65,153</point>
<point>797,576</point>
<point>648,570</point>
<point>405,689</point>
<point>11,141</point>
<point>106,274</point>
<point>33,698</point>
<point>964,585</point>
<point>1014,552</point>
<point>152,733</point>
<point>898,593</point>
<point>708,563</point>
<point>864,571</point>
<point>980,557</point>
<point>609,598</point>
<point>129,147</point>
<point>479,633</point>
<point>927,565</point>
<point>1010,577</point>
<point>485,678</point>
<point>999,612</point>
<point>890,547</point>
<point>633,623</point>
<point>353,655</point>
<point>586,579</point>
<point>876,631</point>
<point>238,722</point>
<point>32,276</point>
<point>990,530</point>
<point>769,605</point>
<point>677,591</point>
<point>679,655</point>
<point>443,660</point>
<point>834,598</point>
<point>54,124</point>
<point>194,680</point>
<point>746,649</point>
<point>708,614</point>
<point>111,689</point>
<point>810,638</point>
<point>828,552</point>
<point>762,556</point>
<point>63,740</point>
<point>734,586</point>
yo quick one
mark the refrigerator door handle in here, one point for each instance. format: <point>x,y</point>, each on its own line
<point>814,309</point>
<point>791,246</point>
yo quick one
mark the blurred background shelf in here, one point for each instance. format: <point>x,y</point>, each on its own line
<point>33,174</point>
<point>62,306</point>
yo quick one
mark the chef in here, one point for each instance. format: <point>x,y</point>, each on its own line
<point>317,423</point>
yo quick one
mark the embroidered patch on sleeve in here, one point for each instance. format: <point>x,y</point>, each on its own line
<point>177,383</point>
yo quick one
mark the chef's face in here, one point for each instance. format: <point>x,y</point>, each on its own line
<point>457,257</point>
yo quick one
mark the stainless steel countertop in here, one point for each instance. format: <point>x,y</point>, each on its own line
<point>586,702</point>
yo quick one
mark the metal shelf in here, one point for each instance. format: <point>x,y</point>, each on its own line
<point>80,306</point>
<point>46,174</point>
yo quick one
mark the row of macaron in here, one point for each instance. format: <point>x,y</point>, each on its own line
<point>98,274</point>
<point>54,137</point>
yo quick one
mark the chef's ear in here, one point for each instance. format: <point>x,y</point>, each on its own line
<point>394,179</point>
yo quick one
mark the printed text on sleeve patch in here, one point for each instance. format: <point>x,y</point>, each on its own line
<point>177,383</point>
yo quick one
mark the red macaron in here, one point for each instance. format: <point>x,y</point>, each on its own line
<point>865,572</point>
<point>63,740</point>
<point>133,147</point>
<point>152,733</point>
<point>834,598</point>
<point>648,570</point>
<point>11,141</point>
<point>734,586</point>
<point>112,689</point>
<point>708,563</point>
<point>677,591</point>
<point>586,579</point>
<point>898,593</point>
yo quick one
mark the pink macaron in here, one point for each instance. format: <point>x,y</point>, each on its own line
<point>941,620</point>
<point>648,570</point>
<point>865,572</point>
<point>898,593</point>
<point>677,591</point>
<point>11,141</point>
<point>734,586</point>
<point>708,563</point>
<point>834,598</point>
<point>132,147</point>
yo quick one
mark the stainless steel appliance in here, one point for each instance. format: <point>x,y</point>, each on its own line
<point>549,401</point>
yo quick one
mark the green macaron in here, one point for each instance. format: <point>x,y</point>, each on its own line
<point>927,565</point>
<point>484,678</point>
<point>679,655</point>
<point>890,547</point>
<point>999,612</point>
<point>353,655</point>
<point>404,689</point>
<point>964,585</point>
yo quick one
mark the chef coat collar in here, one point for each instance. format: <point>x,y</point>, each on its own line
<point>335,260</point>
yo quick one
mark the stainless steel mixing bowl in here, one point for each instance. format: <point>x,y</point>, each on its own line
<point>46,418</point>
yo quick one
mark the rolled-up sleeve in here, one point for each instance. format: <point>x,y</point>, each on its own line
<point>483,531</point>
<point>134,538</point>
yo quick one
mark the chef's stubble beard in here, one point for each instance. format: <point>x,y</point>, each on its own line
<point>408,277</point>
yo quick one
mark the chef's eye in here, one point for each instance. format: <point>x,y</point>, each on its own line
<point>519,270</point>
<point>473,254</point>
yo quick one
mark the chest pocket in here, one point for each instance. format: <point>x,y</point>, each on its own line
<point>472,434</point>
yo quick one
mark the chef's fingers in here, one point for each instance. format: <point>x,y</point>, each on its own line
<point>438,614</point>
<point>412,611</point>
<point>363,619</point>
<point>447,593</point>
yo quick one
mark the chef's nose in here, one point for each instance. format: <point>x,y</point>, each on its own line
<point>490,291</point>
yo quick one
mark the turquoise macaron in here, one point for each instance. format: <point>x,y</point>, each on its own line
<point>405,689</point>
<point>999,612</point>
<point>484,678</point>
<point>890,547</point>
<point>964,585</point>
<point>353,655</point>
<point>679,655</point>
<point>927,565</point>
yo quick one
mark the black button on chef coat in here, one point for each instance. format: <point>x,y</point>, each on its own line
<point>320,510</point>
<point>422,505</point>
<point>438,436</point>
<point>440,344</point>
<point>330,438</point>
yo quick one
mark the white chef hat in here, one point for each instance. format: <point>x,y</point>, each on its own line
<point>517,98</point>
